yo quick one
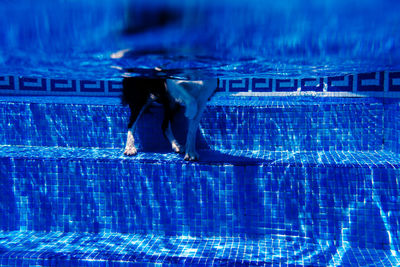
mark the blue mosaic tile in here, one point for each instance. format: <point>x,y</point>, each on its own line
<point>66,249</point>
<point>92,86</point>
<point>340,83</point>
<point>305,181</point>
<point>261,85</point>
<point>279,124</point>
<point>241,85</point>
<point>32,84</point>
<point>114,86</point>
<point>59,85</point>
<point>373,81</point>
<point>312,84</point>
<point>286,85</point>
<point>392,126</point>
<point>7,83</point>
<point>394,81</point>
<point>222,86</point>
<point>376,82</point>
<point>237,196</point>
<point>366,159</point>
<point>255,123</point>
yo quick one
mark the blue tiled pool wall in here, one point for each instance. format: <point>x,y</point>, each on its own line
<point>383,83</point>
<point>267,124</point>
<point>63,125</point>
<point>79,125</point>
<point>392,125</point>
<point>357,206</point>
<point>295,127</point>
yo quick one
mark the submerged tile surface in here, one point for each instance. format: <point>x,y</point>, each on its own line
<point>85,249</point>
<point>381,158</point>
<point>240,123</point>
<point>305,181</point>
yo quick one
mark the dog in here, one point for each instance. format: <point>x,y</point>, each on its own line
<point>140,92</point>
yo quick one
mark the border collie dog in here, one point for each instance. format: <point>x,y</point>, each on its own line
<point>140,92</point>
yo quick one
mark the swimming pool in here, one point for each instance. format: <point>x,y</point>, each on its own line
<point>299,147</point>
<point>227,38</point>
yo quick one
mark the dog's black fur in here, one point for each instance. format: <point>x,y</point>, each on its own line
<point>137,92</point>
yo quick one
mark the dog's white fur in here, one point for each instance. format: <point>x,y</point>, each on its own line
<point>193,95</point>
<point>130,148</point>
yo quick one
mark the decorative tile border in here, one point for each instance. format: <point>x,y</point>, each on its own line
<point>32,84</point>
<point>62,85</point>
<point>312,84</point>
<point>7,83</point>
<point>15,85</point>
<point>373,81</point>
<point>340,83</point>
<point>394,81</point>
<point>261,85</point>
<point>384,83</point>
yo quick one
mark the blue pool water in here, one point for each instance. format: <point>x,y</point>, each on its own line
<point>300,146</point>
<point>290,38</point>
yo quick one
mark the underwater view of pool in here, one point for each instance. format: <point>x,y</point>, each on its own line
<point>299,146</point>
<point>290,38</point>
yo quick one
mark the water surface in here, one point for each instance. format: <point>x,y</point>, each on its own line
<point>289,38</point>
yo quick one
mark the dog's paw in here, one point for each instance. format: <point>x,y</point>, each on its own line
<point>130,151</point>
<point>176,147</point>
<point>192,156</point>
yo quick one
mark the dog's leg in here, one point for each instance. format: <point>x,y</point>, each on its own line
<point>136,112</point>
<point>190,149</point>
<point>170,136</point>
<point>167,131</point>
<point>206,90</point>
<point>177,89</point>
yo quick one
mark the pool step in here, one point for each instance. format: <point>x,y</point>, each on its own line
<point>313,195</point>
<point>249,123</point>
<point>113,249</point>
